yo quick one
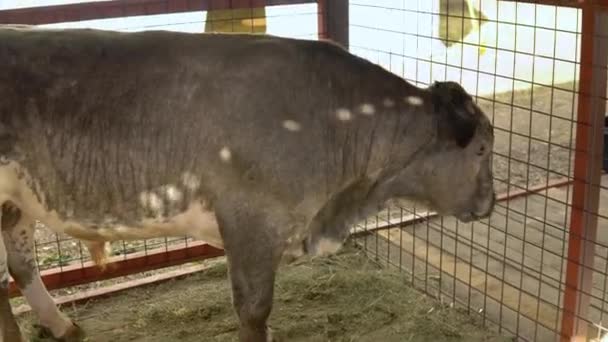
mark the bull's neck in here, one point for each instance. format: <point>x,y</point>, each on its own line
<point>380,142</point>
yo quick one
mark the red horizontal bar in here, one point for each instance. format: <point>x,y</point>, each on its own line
<point>118,266</point>
<point>123,8</point>
<point>105,291</point>
<point>564,3</point>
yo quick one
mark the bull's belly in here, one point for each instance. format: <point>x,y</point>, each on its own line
<point>196,220</point>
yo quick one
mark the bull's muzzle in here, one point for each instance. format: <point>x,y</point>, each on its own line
<point>485,211</point>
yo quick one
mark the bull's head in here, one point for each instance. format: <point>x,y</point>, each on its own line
<point>454,173</point>
<point>458,172</point>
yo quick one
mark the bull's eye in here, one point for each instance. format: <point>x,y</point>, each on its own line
<point>481,151</point>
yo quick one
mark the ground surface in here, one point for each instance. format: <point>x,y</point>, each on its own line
<point>534,132</point>
<point>343,298</point>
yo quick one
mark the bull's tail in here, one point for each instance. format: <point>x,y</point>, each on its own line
<point>99,251</point>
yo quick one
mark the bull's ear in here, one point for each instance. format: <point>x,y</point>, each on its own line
<point>457,118</point>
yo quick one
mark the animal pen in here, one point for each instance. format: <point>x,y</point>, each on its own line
<point>537,268</point>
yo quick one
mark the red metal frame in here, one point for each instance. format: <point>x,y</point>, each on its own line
<point>565,3</point>
<point>587,172</point>
<point>333,21</point>
<point>105,291</point>
<point>126,8</point>
<point>118,266</point>
<point>322,18</point>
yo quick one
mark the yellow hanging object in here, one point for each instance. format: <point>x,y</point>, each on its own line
<point>482,49</point>
<point>482,43</point>
<point>241,20</point>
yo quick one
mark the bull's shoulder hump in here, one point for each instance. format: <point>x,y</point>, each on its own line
<point>78,41</point>
<point>94,44</point>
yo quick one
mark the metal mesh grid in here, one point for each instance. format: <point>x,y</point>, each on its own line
<point>521,61</point>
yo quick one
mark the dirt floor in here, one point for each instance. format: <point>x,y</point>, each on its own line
<point>533,135</point>
<point>341,298</point>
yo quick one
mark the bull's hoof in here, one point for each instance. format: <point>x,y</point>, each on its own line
<point>273,336</point>
<point>73,334</point>
<point>11,335</point>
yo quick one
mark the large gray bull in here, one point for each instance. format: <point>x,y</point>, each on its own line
<point>267,147</point>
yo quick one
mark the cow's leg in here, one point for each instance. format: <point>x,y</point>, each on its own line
<point>18,235</point>
<point>9,330</point>
<point>253,249</point>
<point>252,294</point>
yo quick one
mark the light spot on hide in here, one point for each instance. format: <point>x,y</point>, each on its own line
<point>367,109</point>
<point>151,201</point>
<point>328,247</point>
<point>291,125</point>
<point>388,103</point>
<point>173,193</point>
<point>414,100</point>
<point>197,220</point>
<point>4,276</point>
<point>344,114</point>
<point>225,154</point>
<point>190,181</point>
<point>470,107</point>
<point>294,238</point>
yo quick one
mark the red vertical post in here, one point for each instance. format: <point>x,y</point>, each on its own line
<point>587,172</point>
<point>322,18</point>
<point>333,19</point>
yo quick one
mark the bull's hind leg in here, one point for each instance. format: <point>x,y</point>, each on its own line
<point>18,235</point>
<point>9,330</point>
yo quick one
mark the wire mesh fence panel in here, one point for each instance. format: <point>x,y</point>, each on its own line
<point>521,62</point>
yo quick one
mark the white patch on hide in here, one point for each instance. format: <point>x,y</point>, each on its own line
<point>152,201</point>
<point>190,181</point>
<point>388,103</point>
<point>367,109</point>
<point>414,100</point>
<point>344,114</point>
<point>327,247</point>
<point>470,107</point>
<point>225,154</point>
<point>4,277</point>
<point>197,221</point>
<point>173,193</point>
<point>291,125</point>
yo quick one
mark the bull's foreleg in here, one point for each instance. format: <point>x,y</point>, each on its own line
<point>253,250</point>
<point>18,235</point>
<point>9,330</point>
<point>252,294</point>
